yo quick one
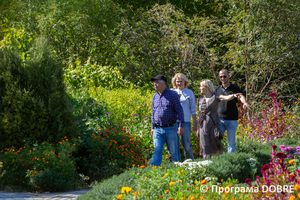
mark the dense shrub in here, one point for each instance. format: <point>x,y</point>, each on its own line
<point>284,141</point>
<point>127,104</point>
<point>21,166</point>
<point>127,107</point>
<point>33,102</point>
<point>231,165</point>
<point>106,149</point>
<point>109,188</point>
<point>94,76</point>
<point>51,180</point>
<point>248,146</point>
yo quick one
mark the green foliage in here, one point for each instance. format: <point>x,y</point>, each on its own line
<point>22,165</point>
<point>131,109</point>
<point>215,8</point>
<point>33,103</point>
<point>229,165</point>
<point>124,104</point>
<point>90,115</point>
<point>247,146</point>
<point>77,30</point>
<point>166,41</point>
<point>264,47</point>
<point>51,180</point>
<point>109,188</point>
<point>284,141</point>
<point>262,151</point>
<point>165,182</point>
<point>89,75</point>
<point>105,149</point>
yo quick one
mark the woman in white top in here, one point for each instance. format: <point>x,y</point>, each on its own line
<point>188,103</point>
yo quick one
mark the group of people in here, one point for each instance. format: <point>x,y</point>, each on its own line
<point>172,110</point>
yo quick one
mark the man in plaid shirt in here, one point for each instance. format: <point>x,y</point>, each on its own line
<point>166,110</point>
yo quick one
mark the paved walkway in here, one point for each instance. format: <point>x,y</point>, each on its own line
<point>41,196</point>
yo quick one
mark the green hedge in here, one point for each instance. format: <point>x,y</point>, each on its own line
<point>33,103</point>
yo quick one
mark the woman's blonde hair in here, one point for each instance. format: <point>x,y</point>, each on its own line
<point>207,83</point>
<point>180,76</point>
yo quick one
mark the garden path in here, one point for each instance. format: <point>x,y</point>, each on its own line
<point>41,196</point>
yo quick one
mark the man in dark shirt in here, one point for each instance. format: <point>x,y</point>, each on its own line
<point>166,110</point>
<point>227,109</point>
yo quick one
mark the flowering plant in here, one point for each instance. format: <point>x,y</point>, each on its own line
<point>276,174</point>
<point>269,121</point>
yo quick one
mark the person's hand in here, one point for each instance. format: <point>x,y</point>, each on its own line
<point>195,127</point>
<point>180,131</point>
<point>198,135</point>
<point>246,105</point>
<point>152,130</point>
<point>237,95</point>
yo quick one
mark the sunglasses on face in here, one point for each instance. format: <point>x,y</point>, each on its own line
<point>222,76</point>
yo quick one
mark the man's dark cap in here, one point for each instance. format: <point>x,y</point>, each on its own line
<point>159,77</point>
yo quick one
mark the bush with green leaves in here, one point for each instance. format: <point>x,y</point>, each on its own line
<point>105,149</point>
<point>125,104</point>
<point>24,167</point>
<point>229,165</point>
<point>33,103</point>
<point>127,107</point>
<point>89,75</point>
<point>166,182</point>
<point>51,180</point>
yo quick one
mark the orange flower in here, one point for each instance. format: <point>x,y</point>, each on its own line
<point>291,162</point>
<point>203,181</point>
<point>292,198</point>
<point>297,187</point>
<point>292,175</point>
<point>167,191</point>
<point>120,196</point>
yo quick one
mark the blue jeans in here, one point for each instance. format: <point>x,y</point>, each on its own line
<point>186,142</point>
<point>230,126</point>
<point>161,136</point>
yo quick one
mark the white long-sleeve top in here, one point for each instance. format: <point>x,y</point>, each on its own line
<point>188,102</point>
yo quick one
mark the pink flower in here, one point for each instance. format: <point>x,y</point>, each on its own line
<point>265,167</point>
<point>248,181</point>
<point>280,155</point>
<point>273,94</point>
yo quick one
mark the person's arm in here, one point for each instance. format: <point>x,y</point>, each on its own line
<point>180,115</point>
<point>244,102</point>
<point>195,122</point>
<point>198,123</point>
<point>193,109</point>
<point>229,97</point>
<point>152,116</point>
